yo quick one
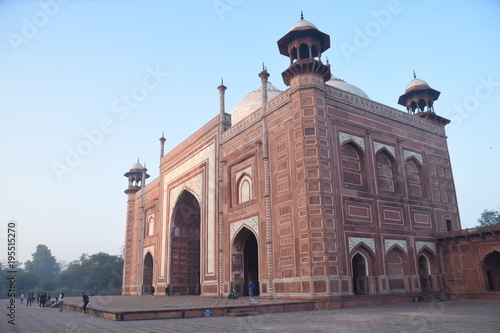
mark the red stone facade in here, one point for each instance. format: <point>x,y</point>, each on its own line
<point>471,262</point>
<point>318,194</point>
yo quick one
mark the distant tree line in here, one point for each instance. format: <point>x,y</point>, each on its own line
<point>489,217</point>
<point>97,274</point>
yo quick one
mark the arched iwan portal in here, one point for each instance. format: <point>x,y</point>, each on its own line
<point>147,274</point>
<point>245,262</point>
<point>185,246</point>
<point>492,271</point>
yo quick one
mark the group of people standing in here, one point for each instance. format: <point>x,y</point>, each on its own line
<point>41,298</point>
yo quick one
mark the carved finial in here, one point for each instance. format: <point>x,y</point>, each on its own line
<point>264,68</point>
<point>222,81</point>
<point>301,16</point>
<point>162,134</point>
<point>137,159</point>
<point>414,76</point>
<point>327,61</point>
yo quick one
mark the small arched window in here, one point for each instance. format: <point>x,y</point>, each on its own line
<point>293,54</point>
<point>386,172</point>
<point>414,178</point>
<point>315,53</point>
<point>304,51</point>
<point>413,106</point>
<point>244,189</point>
<point>352,165</point>
<point>421,104</point>
<point>151,225</point>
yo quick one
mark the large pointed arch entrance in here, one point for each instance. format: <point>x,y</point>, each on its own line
<point>245,262</point>
<point>147,274</point>
<point>185,246</point>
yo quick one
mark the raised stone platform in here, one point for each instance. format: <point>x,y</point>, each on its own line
<point>122,308</point>
<point>485,296</point>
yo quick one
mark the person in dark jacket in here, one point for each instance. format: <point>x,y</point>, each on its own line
<point>86,300</point>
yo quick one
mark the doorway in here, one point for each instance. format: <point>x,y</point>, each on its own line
<point>424,272</point>
<point>147,274</point>
<point>185,246</point>
<point>245,262</point>
<point>492,271</point>
<point>359,274</point>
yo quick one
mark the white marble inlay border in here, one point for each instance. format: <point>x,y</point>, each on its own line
<point>353,241</point>
<point>251,223</point>
<point>420,244</point>
<point>400,242</point>
<point>418,156</point>
<point>378,145</point>
<point>193,185</point>
<point>345,136</point>
<point>206,156</point>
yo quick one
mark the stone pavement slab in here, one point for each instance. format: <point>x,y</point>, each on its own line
<point>452,316</point>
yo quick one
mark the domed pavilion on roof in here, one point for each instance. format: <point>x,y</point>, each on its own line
<point>314,193</point>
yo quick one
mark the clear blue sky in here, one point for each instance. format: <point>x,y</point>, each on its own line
<point>67,67</point>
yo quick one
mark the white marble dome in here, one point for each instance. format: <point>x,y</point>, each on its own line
<point>342,85</point>
<point>302,24</point>
<point>137,166</point>
<point>417,84</point>
<point>252,102</point>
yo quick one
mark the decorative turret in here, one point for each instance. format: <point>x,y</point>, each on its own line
<point>136,177</point>
<point>304,44</point>
<point>419,96</point>
<point>419,100</point>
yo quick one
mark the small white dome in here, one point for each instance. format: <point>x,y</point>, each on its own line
<point>303,24</point>
<point>252,102</point>
<point>417,84</point>
<point>137,166</point>
<point>342,85</point>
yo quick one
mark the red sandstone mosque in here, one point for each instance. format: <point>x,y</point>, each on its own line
<point>316,192</point>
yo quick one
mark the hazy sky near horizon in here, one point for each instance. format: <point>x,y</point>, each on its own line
<point>87,87</point>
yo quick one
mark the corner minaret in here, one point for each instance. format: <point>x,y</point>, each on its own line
<point>136,181</point>
<point>304,44</point>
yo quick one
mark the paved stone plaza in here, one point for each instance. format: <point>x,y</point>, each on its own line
<point>451,316</point>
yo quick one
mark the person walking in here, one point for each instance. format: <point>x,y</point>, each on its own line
<point>167,290</point>
<point>29,300</point>
<point>43,299</point>
<point>22,298</point>
<point>85,301</point>
<point>61,301</point>
<point>251,285</point>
